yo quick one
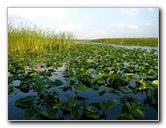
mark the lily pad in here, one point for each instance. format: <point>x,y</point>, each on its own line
<point>155,83</point>
<point>96,105</point>
<point>91,112</point>
<point>74,111</point>
<point>135,108</point>
<point>45,73</point>
<point>105,105</point>
<point>92,109</point>
<point>110,89</point>
<point>81,87</point>
<point>126,116</point>
<point>51,83</point>
<point>124,89</point>
<point>42,73</point>
<point>31,114</point>
<point>58,82</point>
<point>49,113</point>
<point>48,73</point>
<point>72,82</point>
<point>26,102</point>
<point>72,103</point>
<point>24,88</point>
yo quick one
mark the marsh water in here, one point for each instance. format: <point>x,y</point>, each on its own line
<point>15,113</point>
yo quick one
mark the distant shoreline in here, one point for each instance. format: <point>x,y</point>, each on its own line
<point>151,41</point>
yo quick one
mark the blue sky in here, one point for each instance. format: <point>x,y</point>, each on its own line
<point>91,23</point>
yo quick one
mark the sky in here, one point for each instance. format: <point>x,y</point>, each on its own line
<point>91,23</point>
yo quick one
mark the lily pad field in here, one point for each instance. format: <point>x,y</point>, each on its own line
<point>50,77</point>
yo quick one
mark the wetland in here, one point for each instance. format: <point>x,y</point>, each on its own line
<point>52,78</point>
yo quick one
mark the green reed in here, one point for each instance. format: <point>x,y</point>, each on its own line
<point>26,39</point>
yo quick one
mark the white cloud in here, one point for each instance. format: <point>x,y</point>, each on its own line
<point>130,11</point>
<point>33,13</point>
<point>129,26</point>
<point>132,27</point>
<point>147,24</point>
<point>117,25</point>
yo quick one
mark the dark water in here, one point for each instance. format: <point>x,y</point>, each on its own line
<point>15,113</point>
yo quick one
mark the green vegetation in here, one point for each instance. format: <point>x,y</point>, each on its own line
<point>153,42</point>
<point>33,40</point>
<point>93,81</point>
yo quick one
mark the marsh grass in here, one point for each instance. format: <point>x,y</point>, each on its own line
<point>153,42</point>
<point>31,39</point>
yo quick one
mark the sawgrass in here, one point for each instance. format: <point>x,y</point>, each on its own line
<point>31,39</point>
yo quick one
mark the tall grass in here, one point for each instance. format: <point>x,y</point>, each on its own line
<point>129,41</point>
<point>26,39</point>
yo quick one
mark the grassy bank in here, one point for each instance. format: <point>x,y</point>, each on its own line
<point>153,42</point>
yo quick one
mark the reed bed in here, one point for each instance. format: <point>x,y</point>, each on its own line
<point>26,39</point>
